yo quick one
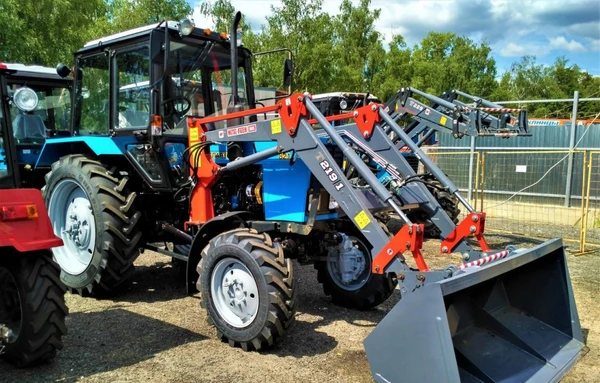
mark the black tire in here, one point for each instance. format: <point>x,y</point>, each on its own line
<point>376,290</point>
<point>116,224</point>
<point>41,297</point>
<point>449,204</point>
<point>274,277</point>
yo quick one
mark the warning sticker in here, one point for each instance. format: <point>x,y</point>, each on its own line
<point>194,134</point>
<point>362,219</point>
<point>276,126</point>
<point>443,120</point>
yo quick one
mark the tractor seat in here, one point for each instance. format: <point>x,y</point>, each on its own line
<point>29,128</point>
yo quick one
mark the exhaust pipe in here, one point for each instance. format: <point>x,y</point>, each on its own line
<point>511,320</point>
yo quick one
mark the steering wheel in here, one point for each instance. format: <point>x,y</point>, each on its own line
<point>179,100</point>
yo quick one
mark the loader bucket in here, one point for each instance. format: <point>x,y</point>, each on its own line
<point>513,320</point>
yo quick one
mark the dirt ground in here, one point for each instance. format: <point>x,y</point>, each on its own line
<point>154,332</point>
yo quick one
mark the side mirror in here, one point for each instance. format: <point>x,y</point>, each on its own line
<point>287,73</point>
<point>63,70</point>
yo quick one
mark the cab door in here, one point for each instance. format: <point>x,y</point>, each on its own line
<point>9,178</point>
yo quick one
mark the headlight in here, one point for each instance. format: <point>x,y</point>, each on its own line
<point>25,99</point>
<point>186,27</point>
<point>343,104</point>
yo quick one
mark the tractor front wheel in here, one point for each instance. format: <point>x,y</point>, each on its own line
<point>93,212</point>
<point>32,307</point>
<point>247,288</point>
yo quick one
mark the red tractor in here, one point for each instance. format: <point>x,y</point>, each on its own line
<point>32,297</point>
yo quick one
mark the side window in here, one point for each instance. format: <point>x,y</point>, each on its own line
<point>133,99</point>
<point>92,95</point>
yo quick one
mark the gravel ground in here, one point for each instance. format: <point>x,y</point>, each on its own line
<point>154,332</point>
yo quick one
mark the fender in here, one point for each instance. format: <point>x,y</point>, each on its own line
<point>55,148</point>
<point>24,222</point>
<point>208,231</point>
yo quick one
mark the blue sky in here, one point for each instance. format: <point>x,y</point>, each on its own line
<point>544,28</point>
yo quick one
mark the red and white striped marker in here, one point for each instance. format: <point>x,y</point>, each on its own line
<point>484,260</point>
<point>500,110</point>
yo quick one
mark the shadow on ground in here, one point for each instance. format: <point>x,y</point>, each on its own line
<point>104,341</point>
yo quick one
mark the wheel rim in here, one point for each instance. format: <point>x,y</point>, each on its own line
<point>333,267</point>
<point>234,292</point>
<point>72,217</point>
<point>11,312</point>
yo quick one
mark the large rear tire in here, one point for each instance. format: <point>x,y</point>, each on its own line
<point>366,291</point>
<point>449,204</point>
<point>247,288</point>
<point>93,211</point>
<point>32,305</point>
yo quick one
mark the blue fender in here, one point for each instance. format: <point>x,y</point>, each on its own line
<point>55,148</point>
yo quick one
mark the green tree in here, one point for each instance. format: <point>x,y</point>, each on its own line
<point>445,61</point>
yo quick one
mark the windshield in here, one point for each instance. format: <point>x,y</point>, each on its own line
<point>197,82</point>
<point>50,115</point>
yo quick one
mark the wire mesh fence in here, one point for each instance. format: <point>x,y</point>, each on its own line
<point>528,192</point>
<point>591,211</point>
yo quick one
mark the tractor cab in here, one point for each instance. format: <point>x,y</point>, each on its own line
<point>135,91</point>
<point>36,106</point>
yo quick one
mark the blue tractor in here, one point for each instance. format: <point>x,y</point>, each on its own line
<point>168,144</point>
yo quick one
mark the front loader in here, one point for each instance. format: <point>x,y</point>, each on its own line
<point>503,315</point>
<point>186,156</point>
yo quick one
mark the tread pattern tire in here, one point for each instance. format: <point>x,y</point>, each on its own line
<point>276,285</point>
<point>43,309</point>
<point>117,224</point>
<point>376,290</point>
<point>449,204</point>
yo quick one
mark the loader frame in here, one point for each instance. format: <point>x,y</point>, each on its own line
<point>293,132</point>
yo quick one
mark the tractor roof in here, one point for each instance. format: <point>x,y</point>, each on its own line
<point>36,71</point>
<point>128,34</point>
<point>144,30</point>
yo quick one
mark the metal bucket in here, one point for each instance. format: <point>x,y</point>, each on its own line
<point>513,320</point>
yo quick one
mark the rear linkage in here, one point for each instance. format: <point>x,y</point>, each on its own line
<point>293,132</point>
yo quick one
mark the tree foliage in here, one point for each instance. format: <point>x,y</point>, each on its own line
<point>344,52</point>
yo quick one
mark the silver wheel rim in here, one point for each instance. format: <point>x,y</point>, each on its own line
<point>72,217</point>
<point>333,269</point>
<point>234,292</point>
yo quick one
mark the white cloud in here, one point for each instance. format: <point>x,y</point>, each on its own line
<point>562,43</point>
<point>519,50</point>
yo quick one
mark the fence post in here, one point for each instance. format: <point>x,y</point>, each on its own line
<point>573,135</point>
<point>471,155</point>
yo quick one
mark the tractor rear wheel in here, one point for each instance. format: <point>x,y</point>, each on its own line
<point>366,290</point>
<point>247,288</point>
<point>449,204</point>
<point>32,306</point>
<point>93,211</point>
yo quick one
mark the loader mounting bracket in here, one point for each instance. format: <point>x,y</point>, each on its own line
<point>410,237</point>
<point>473,224</point>
<point>291,109</point>
<point>366,117</point>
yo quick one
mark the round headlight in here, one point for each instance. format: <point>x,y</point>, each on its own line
<point>186,27</point>
<point>25,99</point>
<point>343,104</point>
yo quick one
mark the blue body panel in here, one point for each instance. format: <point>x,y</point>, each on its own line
<point>3,165</point>
<point>54,148</point>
